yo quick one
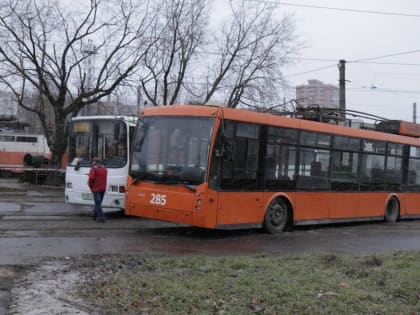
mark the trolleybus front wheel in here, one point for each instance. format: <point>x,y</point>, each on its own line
<point>392,210</point>
<point>277,216</point>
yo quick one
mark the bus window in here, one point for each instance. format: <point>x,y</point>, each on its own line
<point>394,171</point>
<point>313,169</point>
<point>115,145</point>
<point>395,149</point>
<point>372,172</point>
<point>346,143</point>
<point>106,139</point>
<point>171,149</point>
<point>26,139</point>
<point>7,138</point>
<point>280,159</point>
<point>344,171</point>
<point>240,161</point>
<point>413,178</point>
<point>315,139</point>
<point>78,143</point>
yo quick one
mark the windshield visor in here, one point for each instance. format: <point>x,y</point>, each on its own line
<point>171,150</point>
<point>106,139</point>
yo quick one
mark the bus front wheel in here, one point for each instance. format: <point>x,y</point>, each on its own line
<point>277,217</point>
<point>392,210</point>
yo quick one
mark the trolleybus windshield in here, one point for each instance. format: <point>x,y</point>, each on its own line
<point>171,150</point>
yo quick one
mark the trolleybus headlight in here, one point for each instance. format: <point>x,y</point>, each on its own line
<point>69,185</point>
<point>197,206</point>
<point>114,188</point>
<point>122,189</point>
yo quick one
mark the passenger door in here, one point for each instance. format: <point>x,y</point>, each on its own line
<point>239,199</point>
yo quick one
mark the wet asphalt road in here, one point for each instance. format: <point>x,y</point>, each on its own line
<point>35,224</point>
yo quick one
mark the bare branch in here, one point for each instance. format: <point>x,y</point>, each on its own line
<point>70,56</point>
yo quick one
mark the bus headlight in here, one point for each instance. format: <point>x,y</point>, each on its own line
<point>119,189</point>
<point>69,185</point>
<point>198,204</point>
<point>198,201</point>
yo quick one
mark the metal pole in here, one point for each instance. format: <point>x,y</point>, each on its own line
<point>414,113</point>
<point>342,87</point>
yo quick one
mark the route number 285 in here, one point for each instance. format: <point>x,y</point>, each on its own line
<point>158,199</point>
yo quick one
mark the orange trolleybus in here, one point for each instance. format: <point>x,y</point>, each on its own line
<point>218,167</point>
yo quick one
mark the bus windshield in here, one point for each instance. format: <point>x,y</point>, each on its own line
<point>106,139</point>
<point>171,150</point>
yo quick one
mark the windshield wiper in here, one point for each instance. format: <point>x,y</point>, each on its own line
<point>179,183</point>
<point>156,179</point>
<point>189,187</point>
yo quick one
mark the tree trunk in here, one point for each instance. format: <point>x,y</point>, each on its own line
<point>60,143</point>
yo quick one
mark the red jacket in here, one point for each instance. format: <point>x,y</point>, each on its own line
<point>97,178</point>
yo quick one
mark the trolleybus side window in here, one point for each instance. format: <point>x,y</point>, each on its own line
<point>345,164</point>
<point>240,159</point>
<point>394,167</point>
<point>280,159</point>
<point>373,166</point>
<point>413,178</point>
<point>314,161</point>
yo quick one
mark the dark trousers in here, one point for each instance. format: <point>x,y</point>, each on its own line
<point>97,210</point>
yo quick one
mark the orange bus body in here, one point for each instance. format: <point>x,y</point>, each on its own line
<point>204,206</point>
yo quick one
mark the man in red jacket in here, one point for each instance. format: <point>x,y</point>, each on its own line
<point>97,184</point>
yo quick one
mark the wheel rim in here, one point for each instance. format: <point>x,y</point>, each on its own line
<point>278,215</point>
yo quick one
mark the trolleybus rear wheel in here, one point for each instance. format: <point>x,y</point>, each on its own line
<point>277,217</point>
<point>392,210</point>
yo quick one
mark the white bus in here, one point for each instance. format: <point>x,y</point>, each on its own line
<point>106,137</point>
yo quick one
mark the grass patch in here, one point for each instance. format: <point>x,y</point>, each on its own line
<point>316,284</point>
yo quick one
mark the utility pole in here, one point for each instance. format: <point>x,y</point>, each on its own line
<point>342,87</point>
<point>414,113</point>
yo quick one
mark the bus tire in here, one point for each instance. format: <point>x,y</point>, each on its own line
<point>27,159</point>
<point>278,216</point>
<point>392,210</point>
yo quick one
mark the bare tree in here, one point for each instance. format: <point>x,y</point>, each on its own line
<point>181,30</point>
<point>253,47</point>
<point>244,57</point>
<point>46,48</point>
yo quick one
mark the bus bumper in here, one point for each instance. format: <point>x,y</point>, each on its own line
<point>111,200</point>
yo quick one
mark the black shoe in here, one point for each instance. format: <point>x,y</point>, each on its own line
<point>94,217</point>
<point>100,220</point>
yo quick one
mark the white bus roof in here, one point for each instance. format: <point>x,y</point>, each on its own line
<point>130,119</point>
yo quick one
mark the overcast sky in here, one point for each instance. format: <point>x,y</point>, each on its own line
<point>387,90</point>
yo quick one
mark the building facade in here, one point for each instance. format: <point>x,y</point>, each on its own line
<point>317,93</point>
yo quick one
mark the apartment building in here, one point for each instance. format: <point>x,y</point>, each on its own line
<point>317,93</point>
